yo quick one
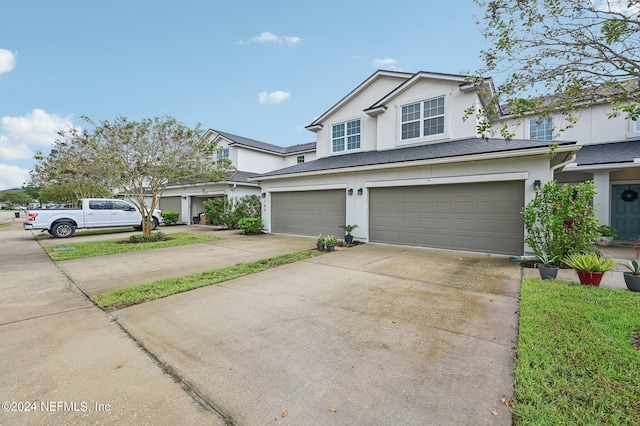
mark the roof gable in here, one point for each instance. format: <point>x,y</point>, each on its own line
<point>317,123</point>
<point>258,145</point>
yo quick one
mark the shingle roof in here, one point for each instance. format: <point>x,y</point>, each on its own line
<point>252,143</point>
<point>606,153</point>
<point>242,177</point>
<point>456,148</point>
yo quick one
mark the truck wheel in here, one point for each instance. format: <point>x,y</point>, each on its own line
<point>154,224</point>
<point>63,230</point>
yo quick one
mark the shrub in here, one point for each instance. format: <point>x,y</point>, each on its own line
<point>170,218</point>
<point>560,220</point>
<point>227,212</point>
<point>141,238</point>
<point>250,225</point>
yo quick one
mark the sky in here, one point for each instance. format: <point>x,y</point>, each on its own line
<point>259,69</point>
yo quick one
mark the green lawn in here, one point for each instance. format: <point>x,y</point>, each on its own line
<point>576,364</point>
<point>73,250</point>
<point>129,296</point>
<point>4,223</point>
<point>82,232</point>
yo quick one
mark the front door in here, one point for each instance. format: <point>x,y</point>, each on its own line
<point>625,211</point>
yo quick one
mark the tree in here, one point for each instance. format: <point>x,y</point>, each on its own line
<point>559,56</point>
<point>141,158</point>
<point>15,197</point>
<point>70,171</point>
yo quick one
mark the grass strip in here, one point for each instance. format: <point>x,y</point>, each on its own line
<point>122,298</point>
<point>4,223</point>
<point>100,231</point>
<point>576,362</point>
<point>101,248</point>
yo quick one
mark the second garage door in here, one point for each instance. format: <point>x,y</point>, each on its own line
<point>482,217</point>
<point>308,212</point>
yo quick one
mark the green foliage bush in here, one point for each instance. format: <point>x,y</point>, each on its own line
<point>228,212</point>
<point>560,220</point>
<point>250,225</point>
<point>170,218</point>
<point>141,238</point>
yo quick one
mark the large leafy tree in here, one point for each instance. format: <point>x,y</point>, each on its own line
<point>141,158</point>
<point>558,56</point>
<point>70,171</point>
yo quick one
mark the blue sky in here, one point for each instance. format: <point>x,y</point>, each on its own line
<point>259,69</point>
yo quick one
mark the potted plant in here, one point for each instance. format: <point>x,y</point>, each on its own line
<point>632,278</point>
<point>606,235</point>
<point>331,243</point>
<point>589,266</point>
<point>348,238</point>
<point>320,242</point>
<point>547,267</point>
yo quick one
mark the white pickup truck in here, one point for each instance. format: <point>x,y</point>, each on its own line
<point>91,213</point>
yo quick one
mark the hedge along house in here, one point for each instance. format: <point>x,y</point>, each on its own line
<point>395,157</point>
<point>248,157</point>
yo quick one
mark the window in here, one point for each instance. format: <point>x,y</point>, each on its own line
<point>541,129</point>
<point>222,153</point>
<point>423,119</point>
<point>300,159</point>
<point>345,136</point>
<point>121,205</point>
<point>636,124</point>
<point>99,205</point>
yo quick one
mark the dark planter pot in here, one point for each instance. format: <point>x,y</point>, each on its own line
<point>330,248</point>
<point>17,214</point>
<point>348,239</point>
<point>590,278</point>
<point>548,272</point>
<point>632,281</point>
<point>320,246</point>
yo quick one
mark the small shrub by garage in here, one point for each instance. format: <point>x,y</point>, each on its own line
<point>250,225</point>
<point>170,218</point>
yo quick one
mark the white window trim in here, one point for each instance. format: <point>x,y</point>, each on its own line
<point>445,135</point>
<point>534,119</point>
<point>346,143</point>
<point>634,129</point>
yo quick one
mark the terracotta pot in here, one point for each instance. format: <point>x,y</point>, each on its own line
<point>590,278</point>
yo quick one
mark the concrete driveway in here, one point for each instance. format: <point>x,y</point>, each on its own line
<point>372,334</point>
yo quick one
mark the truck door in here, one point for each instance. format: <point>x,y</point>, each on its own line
<point>98,214</point>
<point>124,214</point>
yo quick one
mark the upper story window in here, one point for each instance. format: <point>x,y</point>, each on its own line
<point>421,119</point>
<point>345,136</point>
<point>300,159</point>
<point>222,153</point>
<point>541,128</point>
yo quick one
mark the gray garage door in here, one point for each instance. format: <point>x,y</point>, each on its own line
<point>482,217</point>
<point>308,212</point>
<point>172,204</point>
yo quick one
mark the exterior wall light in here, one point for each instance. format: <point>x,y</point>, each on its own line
<point>350,191</point>
<point>264,194</point>
<point>359,191</point>
<point>536,185</point>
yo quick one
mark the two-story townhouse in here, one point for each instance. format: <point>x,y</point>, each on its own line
<point>249,157</point>
<point>395,157</point>
<point>609,155</point>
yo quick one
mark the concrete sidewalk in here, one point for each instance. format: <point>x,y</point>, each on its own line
<point>63,361</point>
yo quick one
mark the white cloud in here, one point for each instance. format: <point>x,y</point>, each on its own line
<point>386,63</point>
<point>20,136</point>
<point>12,176</point>
<point>266,98</point>
<point>7,61</point>
<point>267,37</point>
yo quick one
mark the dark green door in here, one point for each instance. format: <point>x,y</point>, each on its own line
<point>625,211</point>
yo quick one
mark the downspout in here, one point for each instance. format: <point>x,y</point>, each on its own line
<point>564,163</point>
